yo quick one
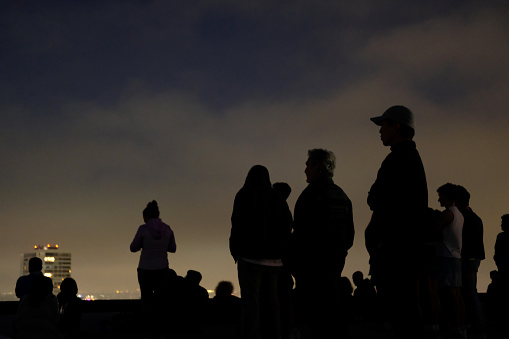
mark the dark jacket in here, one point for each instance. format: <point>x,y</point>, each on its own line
<point>399,201</point>
<point>501,256</point>
<point>323,226</point>
<point>261,224</point>
<point>473,244</point>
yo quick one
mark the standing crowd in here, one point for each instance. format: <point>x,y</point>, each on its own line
<point>423,262</point>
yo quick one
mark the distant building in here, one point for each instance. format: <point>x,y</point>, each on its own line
<point>55,264</point>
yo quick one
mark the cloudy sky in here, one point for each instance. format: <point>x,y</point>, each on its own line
<point>107,105</point>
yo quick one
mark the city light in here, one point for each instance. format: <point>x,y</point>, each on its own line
<point>49,275</point>
<point>49,259</point>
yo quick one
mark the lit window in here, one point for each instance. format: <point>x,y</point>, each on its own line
<point>50,259</point>
<point>49,275</point>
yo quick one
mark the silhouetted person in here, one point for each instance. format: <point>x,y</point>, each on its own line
<point>225,312</point>
<point>472,252</point>
<point>261,226</point>
<point>501,256</point>
<point>25,283</point>
<point>345,300</point>
<point>364,288</point>
<point>363,296</point>
<point>37,313</point>
<point>195,302</point>
<point>70,308</point>
<point>283,189</point>
<point>175,303</point>
<point>323,234</point>
<point>496,300</point>
<point>154,239</point>
<point>285,279</point>
<point>399,200</point>
<point>450,223</point>
<point>225,307</point>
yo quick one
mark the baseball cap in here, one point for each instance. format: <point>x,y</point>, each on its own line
<point>399,114</point>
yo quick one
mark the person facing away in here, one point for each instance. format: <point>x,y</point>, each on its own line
<point>70,308</point>
<point>194,304</point>
<point>472,252</point>
<point>501,256</point>
<point>283,189</point>
<point>363,286</point>
<point>37,313</point>
<point>261,225</point>
<point>323,234</point>
<point>450,223</point>
<point>25,283</point>
<point>154,239</point>
<point>364,297</point>
<point>398,200</point>
<point>285,279</point>
<point>225,307</point>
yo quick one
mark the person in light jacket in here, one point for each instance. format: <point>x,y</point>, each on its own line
<point>154,239</point>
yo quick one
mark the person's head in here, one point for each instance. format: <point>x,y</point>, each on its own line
<point>34,265</point>
<point>151,211</point>
<point>494,275</point>
<point>69,286</point>
<point>357,278</point>
<point>224,289</point>
<point>396,125</point>
<point>258,178</point>
<point>447,195</point>
<point>283,189</point>
<point>320,164</point>
<point>505,222</point>
<point>193,277</point>
<point>463,197</point>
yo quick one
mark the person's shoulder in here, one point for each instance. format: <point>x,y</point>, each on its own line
<point>166,226</point>
<point>22,279</point>
<point>503,236</point>
<point>339,191</point>
<point>474,216</point>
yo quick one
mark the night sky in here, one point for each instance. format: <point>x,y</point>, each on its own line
<point>107,105</point>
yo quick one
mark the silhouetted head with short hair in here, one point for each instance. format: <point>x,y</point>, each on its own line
<point>357,278</point>
<point>224,288</point>
<point>448,194</point>
<point>34,265</point>
<point>505,222</point>
<point>463,197</point>
<point>283,189</point>
<point>494,274</point>
<point>320,164</point>
<point>151,211</point>
<point>193,277</point>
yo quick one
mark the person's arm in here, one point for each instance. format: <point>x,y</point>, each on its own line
<point>172,245</point>
<point>498,248</point>
<point>19,288</point>
<point>445,218</point>
<point>137,242</point>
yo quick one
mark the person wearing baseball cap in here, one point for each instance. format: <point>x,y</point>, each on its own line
<point>398,200</point>
<point>397,119</point>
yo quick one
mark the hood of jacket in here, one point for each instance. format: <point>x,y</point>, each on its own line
<point>156,228</point>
